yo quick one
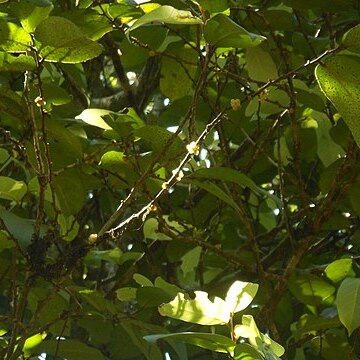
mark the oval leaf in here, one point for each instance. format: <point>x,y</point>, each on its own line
<point>168,15</point>
<point>221,31</point>
<point>11,189</point>
<point>68,45</point>
<point>240,295</point>
<point>339,79</point>
<point>348,303</point>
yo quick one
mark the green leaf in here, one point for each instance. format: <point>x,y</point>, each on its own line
<point>21,229</point>
<point>177,76</point>
<point>13,38</point>
<point>199,310</point>
<point>97,300</point>
<point>311,289</point>
<point>351,39</point>
<point>190,260</point>
<point>151,296</point>
<point>214,6</point>
<point>151,230</point>
<point>96,256</point>
<point>126,294</point>
<point>338,78</point>
<point>11,189</point>
<point>94,117</point>
<point>142,280</point>
<point>338,270</point>
<point>92,24</point>
<point>214,190</point>
<point>69,191</point>
<point>246,352</point>
<point>5,242</point>
<point>221,31</point>
<point>235,176</point>
<point>70,349</point>
<point>213,342</point>
<point>240,295</point>
<point>156,138</point>
<point>268,347</point>
<point>348,303</point>
<point>168,15</point>
<point>260,65</point>
<point>20,63</point>
<point>31,15</point>
<point>328,151</point>
<point>69,45</point>
<point>31,343</point>
<point>310,324</point>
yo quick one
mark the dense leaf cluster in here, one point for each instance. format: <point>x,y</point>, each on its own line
<point>164,164</point>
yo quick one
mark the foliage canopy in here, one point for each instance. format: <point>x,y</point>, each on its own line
<point>179,179</point>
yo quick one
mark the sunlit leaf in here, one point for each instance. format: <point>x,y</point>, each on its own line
<point>240,295</point>
<point>200,310</point>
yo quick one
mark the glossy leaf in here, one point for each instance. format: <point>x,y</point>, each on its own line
<point>338,78</point>
<point>221,31</point>
<point>348,303</point>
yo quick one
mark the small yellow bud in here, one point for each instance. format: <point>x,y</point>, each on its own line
<point>165,185</point>
<point>193,148</point>
<point>153,208</point>
<point>92,239</point>
<point>235,104</point>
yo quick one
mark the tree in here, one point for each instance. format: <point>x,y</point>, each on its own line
<point>179,179</point>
